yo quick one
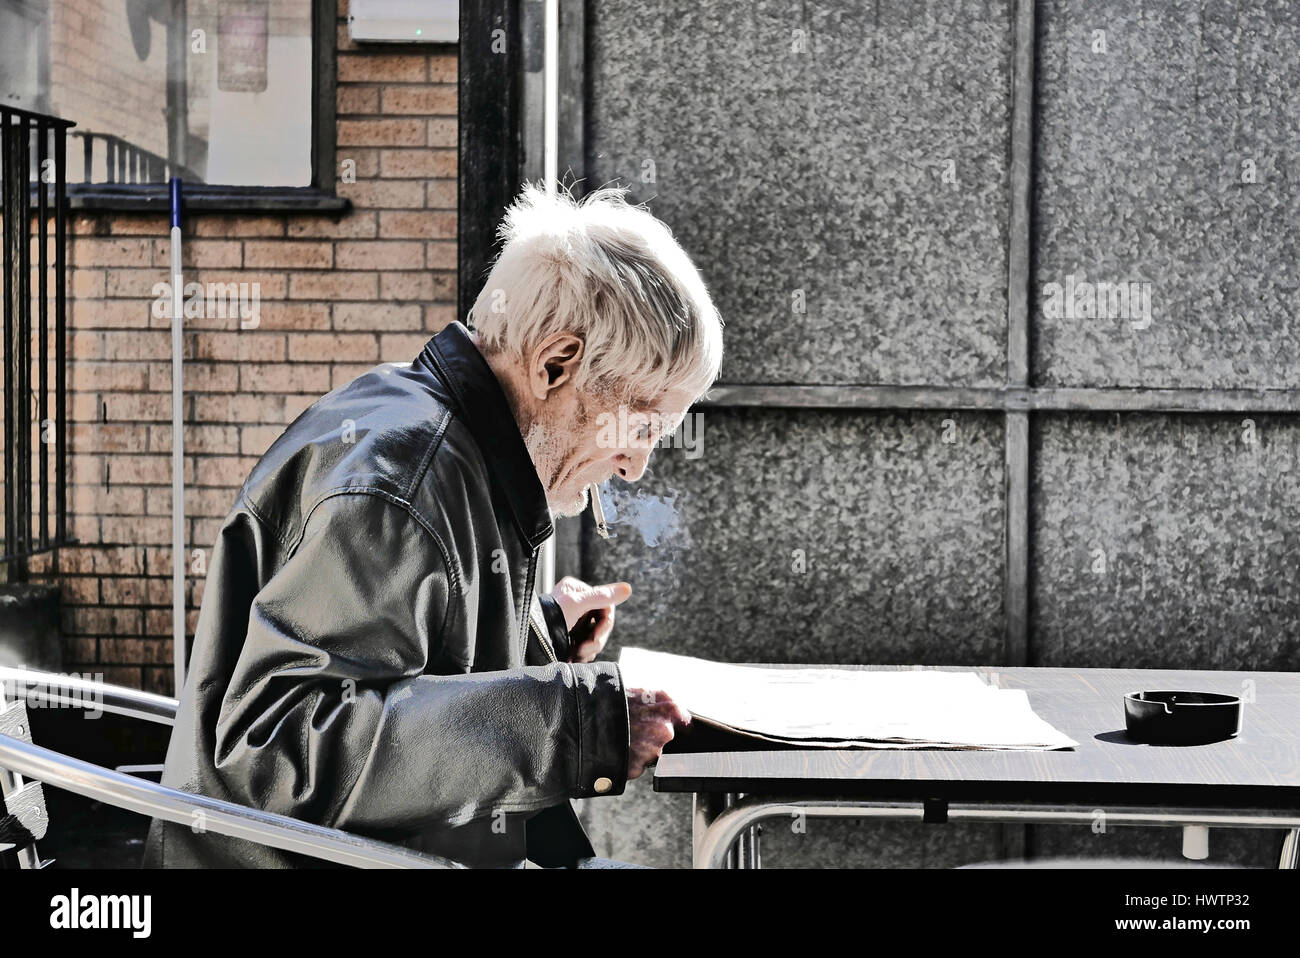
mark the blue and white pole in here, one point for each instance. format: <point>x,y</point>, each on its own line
<point>178,446</point>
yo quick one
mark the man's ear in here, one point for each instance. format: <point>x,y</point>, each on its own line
<point>555,362</point>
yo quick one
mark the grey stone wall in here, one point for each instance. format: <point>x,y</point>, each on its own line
<point>847,202</point>
<point>896,518</point>
<point>813,536</point>
<point>1170,159</point>
<point>821,171</point>
<point>1167,541</point>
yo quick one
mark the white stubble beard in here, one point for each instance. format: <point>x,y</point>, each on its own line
<point>547,455</point>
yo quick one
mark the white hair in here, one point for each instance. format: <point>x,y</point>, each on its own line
<point>611,274</point>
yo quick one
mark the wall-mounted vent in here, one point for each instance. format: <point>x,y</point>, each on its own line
<point>404,21</point>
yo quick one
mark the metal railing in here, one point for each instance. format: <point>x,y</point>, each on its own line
<point>714,840</point>
<point>33,163</point>
<point>158,801</point>
<point>126,163</point>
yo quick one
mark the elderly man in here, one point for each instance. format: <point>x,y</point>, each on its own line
<point>371,653</point>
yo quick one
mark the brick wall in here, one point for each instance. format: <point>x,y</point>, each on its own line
<point>337,296</point>
<point>99,81</point>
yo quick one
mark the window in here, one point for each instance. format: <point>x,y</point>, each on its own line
<point>234,96</point>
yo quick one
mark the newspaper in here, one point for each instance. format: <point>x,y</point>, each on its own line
<point>847,708</point>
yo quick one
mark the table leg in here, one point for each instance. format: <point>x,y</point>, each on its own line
<point>755,833</point>
<point>747,845</point>
<point>705,807</point>
<point>1290,850</point>
<point>1196,842</point>
<point>1014,842</point>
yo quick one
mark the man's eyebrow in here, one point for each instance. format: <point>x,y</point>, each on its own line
<point>672,421</point>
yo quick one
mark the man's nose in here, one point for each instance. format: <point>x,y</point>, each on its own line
<point>632,466</point>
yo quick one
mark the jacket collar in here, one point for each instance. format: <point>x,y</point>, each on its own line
<point>452,355</point>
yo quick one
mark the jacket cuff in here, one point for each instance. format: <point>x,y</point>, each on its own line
<point>602,728</point>
<point>556,627</point>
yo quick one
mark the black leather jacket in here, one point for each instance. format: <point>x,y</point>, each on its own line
<point>364,657</point>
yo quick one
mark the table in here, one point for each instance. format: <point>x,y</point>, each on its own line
<point>1251,781</point>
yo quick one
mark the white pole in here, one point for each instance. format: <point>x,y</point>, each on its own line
<point>178,448</point>
<point>550,167</point>
<point>551,96</point>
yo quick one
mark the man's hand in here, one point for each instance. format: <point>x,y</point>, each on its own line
<point>653,719</point>
<point>588,613</point>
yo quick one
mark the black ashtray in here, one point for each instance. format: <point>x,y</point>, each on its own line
<point>1182,718</point>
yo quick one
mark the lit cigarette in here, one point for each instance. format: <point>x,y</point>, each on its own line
<point>598,511</point>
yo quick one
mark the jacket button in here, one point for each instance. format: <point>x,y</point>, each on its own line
<point>602,784</point>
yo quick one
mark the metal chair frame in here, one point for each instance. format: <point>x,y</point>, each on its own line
<point>21,759</point>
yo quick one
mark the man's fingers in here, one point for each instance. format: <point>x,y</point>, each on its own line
<point>664,703</point>
<point>600,624</point>
<point>588,650</point>
<point>577,598</point>
<point>603,624</point>
<point>675,712</point>
<point>657,735</point>
<point>616,592</point>
<point>610,594</point>
<point>645,750</point>
<point>655,721</point>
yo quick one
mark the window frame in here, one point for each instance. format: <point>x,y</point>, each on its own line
<point>318,197</point>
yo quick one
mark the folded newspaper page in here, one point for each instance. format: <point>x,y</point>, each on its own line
<point>847,708</point>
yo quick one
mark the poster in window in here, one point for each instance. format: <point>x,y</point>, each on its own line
<point>241,46</point>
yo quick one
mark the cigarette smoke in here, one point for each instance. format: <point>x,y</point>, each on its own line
<point>655,519</point>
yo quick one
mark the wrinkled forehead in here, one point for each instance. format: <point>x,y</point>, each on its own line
<point>669,408</point>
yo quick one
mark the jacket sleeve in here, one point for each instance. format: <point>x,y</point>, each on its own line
<point>328,716</point>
